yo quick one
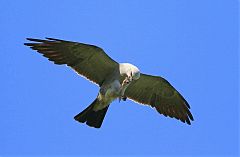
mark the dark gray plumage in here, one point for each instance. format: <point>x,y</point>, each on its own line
<point>116,80</point>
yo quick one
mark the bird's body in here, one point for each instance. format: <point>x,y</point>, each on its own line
<point>112,88</point>
<point>116,81</point>
<point>107,94</point>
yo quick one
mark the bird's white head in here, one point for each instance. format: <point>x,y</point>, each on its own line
<point>132,72</point>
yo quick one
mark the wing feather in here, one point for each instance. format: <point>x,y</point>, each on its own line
<point>87,60</point>
<point>160,94</point>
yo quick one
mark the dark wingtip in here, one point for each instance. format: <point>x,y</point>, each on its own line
<point>29,38</point>
<point>27,44</point>
<point>54,39</point>
<point>191,117</point>
<point>35,40</point>
<point>188,121</point>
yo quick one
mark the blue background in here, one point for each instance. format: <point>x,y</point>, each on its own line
<point>193,44</point>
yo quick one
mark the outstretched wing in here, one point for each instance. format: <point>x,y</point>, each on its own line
<point>87,60</point>
<point>160,94</point>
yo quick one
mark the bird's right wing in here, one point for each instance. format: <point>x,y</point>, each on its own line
<point>87,60</point>
<point>160,94</point>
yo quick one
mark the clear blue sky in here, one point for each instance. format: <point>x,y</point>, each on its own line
<point>193,44</point>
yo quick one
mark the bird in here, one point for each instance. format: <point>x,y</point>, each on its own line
<point>116,81</point>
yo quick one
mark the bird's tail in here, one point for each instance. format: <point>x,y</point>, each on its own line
<point>91,117</point>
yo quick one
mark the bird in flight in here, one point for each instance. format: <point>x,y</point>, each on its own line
<point>116,81</point>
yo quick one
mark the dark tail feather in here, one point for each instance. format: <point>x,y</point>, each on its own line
<point>92,118</point>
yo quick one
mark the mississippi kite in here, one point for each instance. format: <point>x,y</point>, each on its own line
<point>116,81</point>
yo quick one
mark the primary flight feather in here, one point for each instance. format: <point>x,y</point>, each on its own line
<point>116,80</point>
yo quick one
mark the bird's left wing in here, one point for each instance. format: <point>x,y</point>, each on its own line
<point>87,60</point>
<point>160,94</point>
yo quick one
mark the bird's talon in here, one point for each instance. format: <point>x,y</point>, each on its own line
<point>124,98</point>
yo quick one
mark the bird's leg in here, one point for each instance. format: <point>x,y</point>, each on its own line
<point>124,98</point>
<point>122,90</point>
<point>124,86</point>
